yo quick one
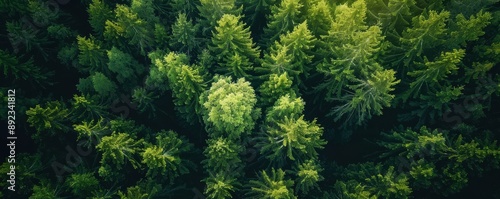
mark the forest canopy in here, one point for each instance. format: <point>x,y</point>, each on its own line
<point>257,99</point>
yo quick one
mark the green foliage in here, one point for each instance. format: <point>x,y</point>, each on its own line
<point>426,32</point>
<point>292,139</point>
<point>211,11</point>
<point>144,100</point>
<point>99,13</point>
<point>92,56</point>
<point>275,87</point>
<point>103,85</point>
<point>232,47</point>
<point>220,185</point>
<point>291,54</point>
<point>308,176</point>
<point>85,108</point>
<point>374,179</point>
<point>432,72</point>
<point>129,25</point>
<point>273,186</point>
<point>464,30</point>
<point>133,193</point>
<point>409,143</point>
<point>369,98</point>
<point>118,148</point>
<point>185,81</point>
<point>229,108</point>
<point>164,156</point>
<point>283,18</point>
<point>82,184</point>
<point>350,189</point>
<point>222,155</point>
<point>44,191</point>
<point>28,40</point>
<point>50,118</point>
<point>285,106</point>
<point>184,35</point>
<point>93,131</point>
<point>127,69</point>
<point>11,65</point>
<point>319,17</point>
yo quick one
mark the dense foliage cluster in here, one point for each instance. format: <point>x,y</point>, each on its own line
<point>257,99</point>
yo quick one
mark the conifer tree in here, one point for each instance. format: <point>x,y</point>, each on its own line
<point>283,18</point>
<point>117,149</point>
<point>184,35</point>
<point>99,13</point>
<point>92,55</point>
<point>233,48</point>
<point>211,11</point>
<point>271,186</point>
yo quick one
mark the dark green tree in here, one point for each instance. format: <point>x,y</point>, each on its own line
<point>283,18</point>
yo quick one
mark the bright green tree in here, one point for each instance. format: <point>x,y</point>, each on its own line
<point>292,53</point>
<point>50,118</point>
<point>91,55</point>
<point>164,157</point>
<point>308,175</point>
<point>118,148</point>
<point>275,87</point>
<point>86,108</point>
<point>221,185</point>
<point>222,155</point>
<point>273,186</point>
<point>283,18</point>
<point>292,139</point>
<point>368,98</point>
<point>229,108</point>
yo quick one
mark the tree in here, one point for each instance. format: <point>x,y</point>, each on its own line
<point>286,106</point>
<point>368,99</point>
<point>275,87</point>
<point>185,81</point>
<point>12,65</point>
<point>292,139</point>
<point>86,108</point>
<point>283,18</point>
<point>232,47</point>
<point>99,13</point>
<point>432,72</point>
<point>92,56</point>
<point>273,186</point>
<point>44,191</point>
<point>211,11</point>
<point>184,35</point>
<point>50,118</point>
<point>221,185</point>
<point>126,68</point>
<point>228,108</point>
<point>118,148</point>
<point>291,53</point>
<point>165,155</point>
<point>308,176</point>
<point>134,192</point>
<point>222,155</point>
<point>103,85</point>
<point>131,26</point>
<point>319,17</point>
<point>93,131</point>
<point>82,184</point>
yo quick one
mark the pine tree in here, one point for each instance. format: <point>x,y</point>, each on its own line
<point>82,184</point>
<point>92,55</point>
<point>275,87</point>
<point>50,118</point>
<point>165,155</point>
<point>211,11</point>
<point>117,149</point>
<point>308,175</point>
<point>283,18</point>
<point>232,47</point>
<point>99,13</point>
<point>273,186</point>
<point>221,185</point>
<point>184,35</point>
